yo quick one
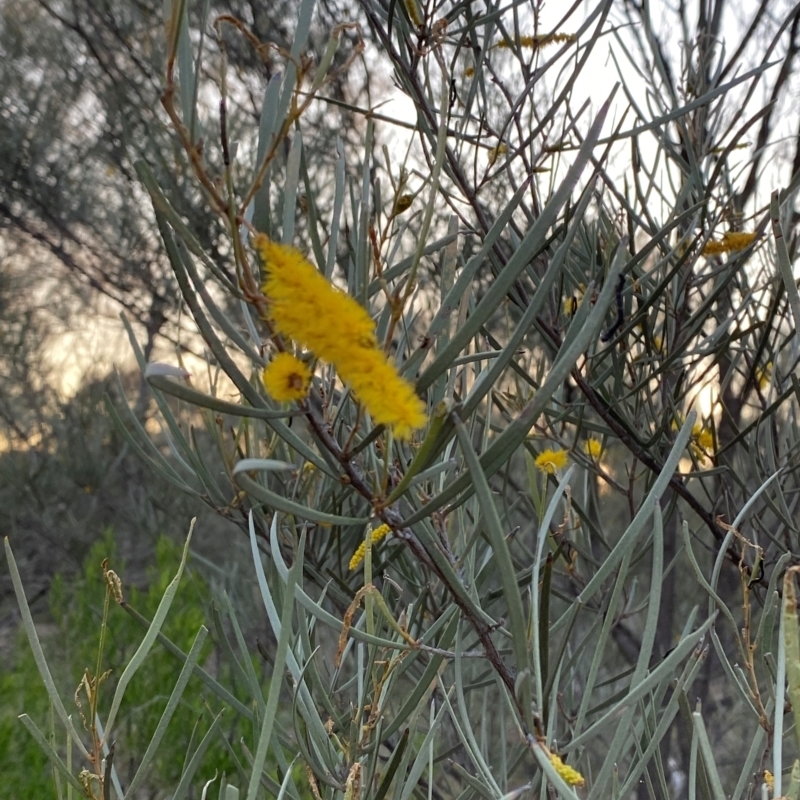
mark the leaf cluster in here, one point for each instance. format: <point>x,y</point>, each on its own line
<point>528,627</point>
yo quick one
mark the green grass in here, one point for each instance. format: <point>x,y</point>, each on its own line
<point>76,608</point>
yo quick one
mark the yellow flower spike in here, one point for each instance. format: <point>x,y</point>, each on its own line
<point>388,398</point>
<point>304,306</point>
<point>570,775</point>
<point>731,242</point>
<point>379,533</point>
<point>769,779</point>
<point>703,437</point>
<point>307,308</point>
<point>548,461</point>
<point>715,151</point>
<point>286,378</point>
<point>701,442</point>
<point>571,303</point>
<point>593,448</point>
<point>534,42</point>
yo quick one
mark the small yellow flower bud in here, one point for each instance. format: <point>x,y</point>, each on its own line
<point>286,378</point>
<point>571,776</point>
<point>496,152</point>
<point>379,533</point>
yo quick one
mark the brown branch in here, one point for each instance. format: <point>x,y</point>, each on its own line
<point>393,519</point>
<point>676,482</point>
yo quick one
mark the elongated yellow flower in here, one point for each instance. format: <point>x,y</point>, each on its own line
<point>769,779</point>
<point>701,442</point>
<point>572,302</point>
<point>570,775</point>
<point>534,42</point>
<point>381,532</point>
<point>731,242</point>
<point>722,148</point>
<point>388,398</point>
<point>307,308</point>
<point>304,306</point>
<point>286,378</point>
<point>549,461</point>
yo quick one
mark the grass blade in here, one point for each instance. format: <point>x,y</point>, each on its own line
<point>38,653</point>
<point>150,637</point>
<point>169,710</point>
<point>265,736</point>
<point>48,750</point>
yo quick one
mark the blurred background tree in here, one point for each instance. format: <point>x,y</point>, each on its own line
<point>80,104</point>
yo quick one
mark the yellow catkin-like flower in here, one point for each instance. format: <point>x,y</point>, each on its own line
<point>722,148</point>
<point>549,461</point>
<point>769,779</point>
<point>379,533</point>
<point>286,378</point>
<point>534,42</point>
<point>388,398</point>
<point>570,775</point>
<point>731,242</point>
<point>704,438</point>
<point>307,308</point>
<point>593,448</point>
<point>469,72</point>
